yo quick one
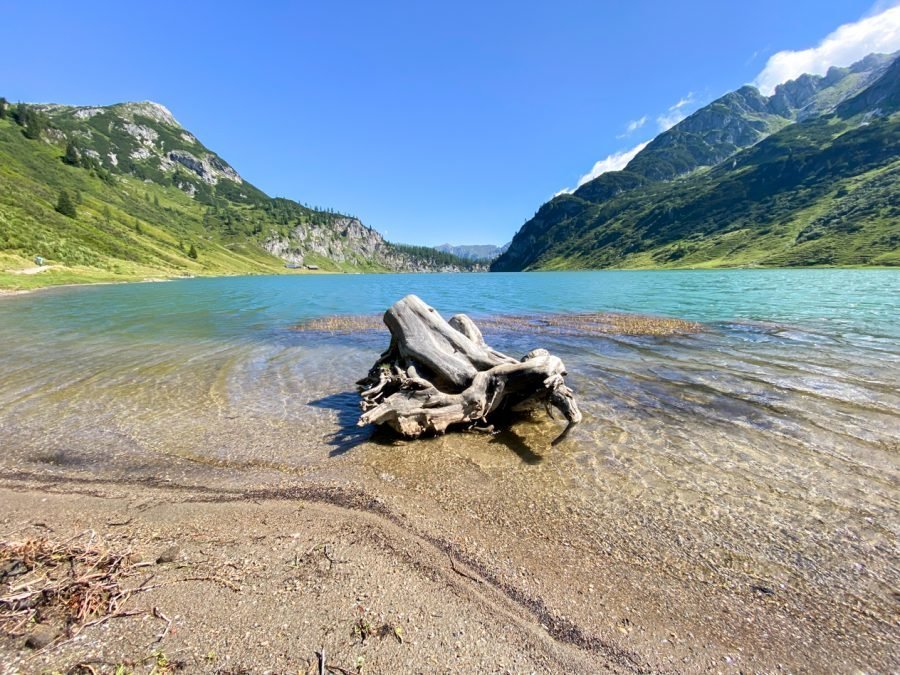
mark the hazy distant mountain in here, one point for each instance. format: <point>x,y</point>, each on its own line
<point>474,251</point>
<point>807,176</point>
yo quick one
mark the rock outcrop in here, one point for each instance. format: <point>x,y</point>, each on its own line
<point>347,241</point>
<point>210,169</point>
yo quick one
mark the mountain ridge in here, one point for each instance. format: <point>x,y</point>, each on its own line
<point>635,216</point>
<point>148,192</point>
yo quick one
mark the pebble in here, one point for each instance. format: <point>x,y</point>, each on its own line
<point>41,636</point>
<point>171,554</point>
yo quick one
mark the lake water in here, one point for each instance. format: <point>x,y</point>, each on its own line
<point>753,464</point>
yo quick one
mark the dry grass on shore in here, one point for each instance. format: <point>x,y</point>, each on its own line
<point>60,588</point>
<point>576,325</point>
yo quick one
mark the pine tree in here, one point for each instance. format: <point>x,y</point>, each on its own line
<point>72,156</point>
<point>156,201</point>
<point>4,107</point>
<point>65,205</point>
<point>19,114</point>
<point>34,126</point>
<point>138,228</point>
<point>32,120</point>
<point>193,252</point>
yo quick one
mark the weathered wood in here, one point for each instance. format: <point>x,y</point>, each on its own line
<point>437,373</point>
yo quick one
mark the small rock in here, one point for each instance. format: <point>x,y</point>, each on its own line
<point>12,568</point>
<point>41,636</point>
<point>763,590</point>
<point>171,554</point>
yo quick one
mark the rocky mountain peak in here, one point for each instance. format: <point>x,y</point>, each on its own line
<point>155,111</point>
<point>754,147</point>
<point>744,117</point>
<point>483,252</point>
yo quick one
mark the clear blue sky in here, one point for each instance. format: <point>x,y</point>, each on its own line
<point>431,121</point>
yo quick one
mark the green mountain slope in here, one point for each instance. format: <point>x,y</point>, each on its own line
<point>808,176</point>
<point>151,201</point>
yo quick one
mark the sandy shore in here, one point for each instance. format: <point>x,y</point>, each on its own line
<point>263,585</point>
<point>678,529</point>
<point>264,580</point>
<point>21,291</point>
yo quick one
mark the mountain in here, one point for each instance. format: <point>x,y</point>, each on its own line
<point>806,176</point>
<point>481,252</point>
<point>149,200</point>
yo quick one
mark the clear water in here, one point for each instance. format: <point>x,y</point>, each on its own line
<point>763,450</point>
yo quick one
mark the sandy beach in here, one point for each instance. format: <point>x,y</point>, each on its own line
<point>265,580</point>
<point>269,584</point>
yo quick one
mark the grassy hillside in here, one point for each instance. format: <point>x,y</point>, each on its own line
<point>151,201</point>
<point>127,229</point>
<point>818,193</point>
<point>821,191</point>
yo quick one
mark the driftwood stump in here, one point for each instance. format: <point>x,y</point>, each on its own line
<point>437,373</point>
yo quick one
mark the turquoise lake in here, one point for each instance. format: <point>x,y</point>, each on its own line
<point>764,447</point>
<point>843,300</point>
<point>812,354</point>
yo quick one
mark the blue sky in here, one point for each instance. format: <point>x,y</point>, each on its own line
<point>431,121</point>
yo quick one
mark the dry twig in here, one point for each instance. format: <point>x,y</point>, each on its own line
<point>459,571</point>
<point>159,615</point>
<point>69,584</point>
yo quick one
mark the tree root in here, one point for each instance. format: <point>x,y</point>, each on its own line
<point>436,374</point>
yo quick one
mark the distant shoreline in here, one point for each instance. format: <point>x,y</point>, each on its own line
<point>10,292</point>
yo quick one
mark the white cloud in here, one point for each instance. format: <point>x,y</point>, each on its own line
<point>846,45</point>
<point>633,125</point>
<point>675,113</point>
<point>669,119</point>
<point>614,162</point>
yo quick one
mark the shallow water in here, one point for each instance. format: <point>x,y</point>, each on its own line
<point>762,451</point>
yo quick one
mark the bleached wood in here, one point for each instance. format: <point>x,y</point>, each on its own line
<point>437,373</point>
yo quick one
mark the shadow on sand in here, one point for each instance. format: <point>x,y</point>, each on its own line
<point>510,439</point>
<point>348,435</point>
